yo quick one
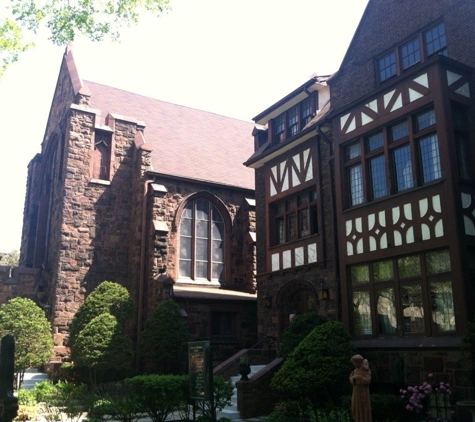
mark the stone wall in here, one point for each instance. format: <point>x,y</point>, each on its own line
<point>20,282</point>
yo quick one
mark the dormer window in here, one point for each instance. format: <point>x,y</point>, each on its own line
<point>292,121</point>
<point>420,48</point>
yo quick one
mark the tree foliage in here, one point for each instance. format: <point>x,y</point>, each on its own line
<point>101,346</point>
<point>65,20</point>
<point>165,337</point>
<point>108,297</point>
<point>31,330</point>
<point>319,366</point>
<point>10,259</point>
<point>300,327</point>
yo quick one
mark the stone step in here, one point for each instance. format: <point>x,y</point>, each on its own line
<point>32,377</point>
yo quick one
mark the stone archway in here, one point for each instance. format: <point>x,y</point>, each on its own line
<point>294,298</point>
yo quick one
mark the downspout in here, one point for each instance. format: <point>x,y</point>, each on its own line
<point>142,256</point>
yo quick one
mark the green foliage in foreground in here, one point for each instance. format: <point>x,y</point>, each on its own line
<point>108,297</point>
<point>318,368</point>
<point>301,326</point>
<point>164,338</point>
<point>159,395</point>
<point>31,330</point>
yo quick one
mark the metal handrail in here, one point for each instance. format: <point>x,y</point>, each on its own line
<point>247,351</point>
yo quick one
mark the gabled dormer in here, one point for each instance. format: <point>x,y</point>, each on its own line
<point>290,121</point>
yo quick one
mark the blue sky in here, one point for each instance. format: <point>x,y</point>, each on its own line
<point>234,58</point>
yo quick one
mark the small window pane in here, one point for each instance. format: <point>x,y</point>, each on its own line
<point>409,266</point>
<point>217,216</point>
<point>399,131</point>
<point>185,247</point>
<point>217,250</point>
<point>412,308</point>
<point>202,229</point>
<point>217,271</point>
<point>386,308</point>
<point>435,40</point>
<point>353,151</point>
<point>185,227</point>
<point>201,269</point>
<point>279,208</point>
<point>218,231</point>
<point>359,274</point>
<point>403,168</point>
<point>293,120</point>
<point>383,271</point>
<point>430,159</point>
<point>188,211</point>
<point>292,226</point>
<point>377,169</point>
<point>279,127</point>
<point>280,231</point>
<point>291,204</point>
<point>355,175</point>
<point>202,249</point>
<point>362,313</point>
<point>410,54</point>
<point>304,223</point>
<point>303,199</point>
<point>443,316</point>
<point>307,111</point>
<point>185,268</point>
<point>202,209</point>
<point>438,262</point>
<point>425,120</point>
<point>374,141</point>
<point>387,66</point>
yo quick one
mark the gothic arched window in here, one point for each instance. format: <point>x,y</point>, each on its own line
<point>201,242</point>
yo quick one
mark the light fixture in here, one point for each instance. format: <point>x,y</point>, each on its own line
<point>166,285</point>
<point>47,309</point>
<point>267,300</point>
<point>322,292</point>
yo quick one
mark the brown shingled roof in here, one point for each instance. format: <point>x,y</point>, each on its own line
<point>186,142</point>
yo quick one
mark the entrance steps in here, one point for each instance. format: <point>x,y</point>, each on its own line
<point>32,377</point>
<point>231,412</point>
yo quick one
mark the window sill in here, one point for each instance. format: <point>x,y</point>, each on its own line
<point>100,182</point>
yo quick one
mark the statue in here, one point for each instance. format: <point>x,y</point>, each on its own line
<point>8,401</point>
<point>360,400</point>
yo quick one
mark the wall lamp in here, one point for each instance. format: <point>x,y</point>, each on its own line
<point>267,300</point>
<point>322,292</point>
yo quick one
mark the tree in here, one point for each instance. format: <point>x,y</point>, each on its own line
<point>165,337</point>
<point>108,297</point>
<point>12,258</point>
<point>319,366</point>
<point>101,346</point>
<point>65,20</point>
<point>300,327</point>
<point>31,330</point>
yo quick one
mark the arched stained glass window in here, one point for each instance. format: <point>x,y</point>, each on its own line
<point>201,242</point>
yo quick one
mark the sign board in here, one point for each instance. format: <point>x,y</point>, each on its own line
<point>199,364</point>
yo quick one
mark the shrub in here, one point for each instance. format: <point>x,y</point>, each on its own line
<point>159,395</point>
<point>334,415</point>
<point>223,391</point>
<point>164,338</point>
<point>26,397</point>
<point>301,326</point>
<point>293,411</point>
<point>318,368</point>
<point>108,297</point>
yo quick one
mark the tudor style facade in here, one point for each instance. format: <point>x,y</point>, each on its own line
<point>148,194</point>
<point>296,264</point>
<point>404,142</point>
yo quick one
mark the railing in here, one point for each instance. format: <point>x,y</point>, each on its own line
<point>242,353</point>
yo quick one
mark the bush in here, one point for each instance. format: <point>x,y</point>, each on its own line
<point>301,326</point>
<point>334,415</point>
<point>318,368</point>
<point>223,391</point>
<point>293,411</point>
<point>384,407</point>
<point>164,339</point>
<point>159,395</point>
<point>26,397</point>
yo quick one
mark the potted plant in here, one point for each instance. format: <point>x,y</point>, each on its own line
<point>244,367</point>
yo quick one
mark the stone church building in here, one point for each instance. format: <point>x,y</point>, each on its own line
<point>148,194</point>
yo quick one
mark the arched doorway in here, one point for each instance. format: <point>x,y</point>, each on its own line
<point>294,298</point>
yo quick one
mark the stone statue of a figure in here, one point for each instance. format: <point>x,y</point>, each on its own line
<point>360,400</point>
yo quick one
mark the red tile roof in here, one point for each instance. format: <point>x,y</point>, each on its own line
<point>186,142</point>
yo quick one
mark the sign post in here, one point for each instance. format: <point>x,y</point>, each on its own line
<point>201,372</point>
